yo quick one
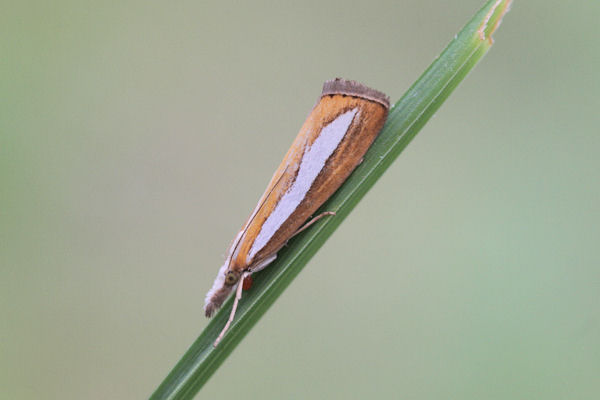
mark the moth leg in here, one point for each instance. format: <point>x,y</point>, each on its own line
<point>312,221</point>
<point>260,266</point>
<point>238,296</point>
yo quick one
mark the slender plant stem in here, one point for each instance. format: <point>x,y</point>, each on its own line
<point>405,120</point>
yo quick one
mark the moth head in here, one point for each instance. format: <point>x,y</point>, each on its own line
<point>231,277</point>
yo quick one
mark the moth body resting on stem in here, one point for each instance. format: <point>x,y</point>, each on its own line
<point>331,144</point>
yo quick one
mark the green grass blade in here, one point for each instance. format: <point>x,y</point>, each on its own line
<point>406,118</point>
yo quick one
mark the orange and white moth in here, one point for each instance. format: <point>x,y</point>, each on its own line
<point>331,144</point>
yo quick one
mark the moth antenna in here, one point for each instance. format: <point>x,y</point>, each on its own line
<point>258,208</point>
<point>238,296</point>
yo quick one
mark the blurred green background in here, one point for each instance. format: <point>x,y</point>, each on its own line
<point>136,137</point>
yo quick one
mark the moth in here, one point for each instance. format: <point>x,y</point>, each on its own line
<point>330,145</point>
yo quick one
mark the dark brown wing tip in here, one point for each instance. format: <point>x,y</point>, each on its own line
<point>356,89</point>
